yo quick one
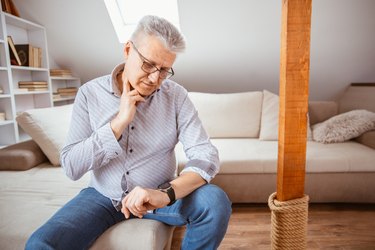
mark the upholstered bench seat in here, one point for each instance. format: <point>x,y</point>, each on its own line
<point>136,234</point>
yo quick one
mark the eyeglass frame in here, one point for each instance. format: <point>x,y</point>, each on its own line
<point>146,61</point>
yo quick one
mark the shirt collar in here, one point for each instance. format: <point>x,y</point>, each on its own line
<point>113,87</point>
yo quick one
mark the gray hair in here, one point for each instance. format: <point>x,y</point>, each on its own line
<point>162,29</point>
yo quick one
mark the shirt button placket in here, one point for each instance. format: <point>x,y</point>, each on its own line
<point>132,127</point>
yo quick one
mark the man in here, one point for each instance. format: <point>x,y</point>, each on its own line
<point>124,129</point>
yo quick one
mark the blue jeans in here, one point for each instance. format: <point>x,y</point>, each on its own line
<point>77,225</point>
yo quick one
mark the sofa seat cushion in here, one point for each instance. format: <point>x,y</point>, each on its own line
<point>250,156</point>
<point>29,198</point>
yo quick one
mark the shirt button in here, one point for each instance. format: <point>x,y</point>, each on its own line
<point>127,172</point>
<point>132,127</point>
<point>126,192</point>
<point>131,150</point>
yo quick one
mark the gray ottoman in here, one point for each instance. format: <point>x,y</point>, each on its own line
<point>136,234</point>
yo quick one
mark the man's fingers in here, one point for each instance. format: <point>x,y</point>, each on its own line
<point>125,211</point>
<point>139,206</point>
<point>139,98</point>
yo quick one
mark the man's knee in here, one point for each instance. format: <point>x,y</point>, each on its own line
<point>215,200</point>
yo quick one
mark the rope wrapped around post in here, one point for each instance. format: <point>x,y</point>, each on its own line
<point>288,222</point>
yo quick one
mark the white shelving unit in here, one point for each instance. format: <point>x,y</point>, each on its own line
<point>64,82</point>
<point>12,100</point>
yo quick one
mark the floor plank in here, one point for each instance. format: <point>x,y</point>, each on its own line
<point>330,226</point>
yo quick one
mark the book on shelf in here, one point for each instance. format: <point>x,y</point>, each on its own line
<point>9,7</point>
<point>29,55</point>
<point>14,58</point>
<point>33,85</point>
<point>25,53</point>
<point>68,91</point>
<point>60,72</point>
<point>35,88</point>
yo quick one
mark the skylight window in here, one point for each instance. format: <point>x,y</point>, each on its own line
<point>125,14</point>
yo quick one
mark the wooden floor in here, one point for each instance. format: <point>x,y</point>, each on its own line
<point>330,226</point>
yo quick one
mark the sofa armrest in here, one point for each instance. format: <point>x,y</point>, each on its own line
<point>367,139</point>
<point>21,156</point>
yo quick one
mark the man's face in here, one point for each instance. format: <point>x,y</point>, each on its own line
<point>141,56</point>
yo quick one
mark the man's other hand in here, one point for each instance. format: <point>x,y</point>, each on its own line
<point>140,200</point>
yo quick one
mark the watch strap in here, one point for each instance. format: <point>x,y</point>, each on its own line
<point>172,196</point>
<point>169,191</point>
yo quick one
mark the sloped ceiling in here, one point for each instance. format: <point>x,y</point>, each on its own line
<point>80,34</point>
<point>232,45</point>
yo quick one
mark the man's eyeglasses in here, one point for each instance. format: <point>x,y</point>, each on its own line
<point>149,68</point>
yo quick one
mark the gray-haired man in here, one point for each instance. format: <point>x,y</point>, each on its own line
<point>124,129</point>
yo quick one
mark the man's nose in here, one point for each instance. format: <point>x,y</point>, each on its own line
<point>154,77</point>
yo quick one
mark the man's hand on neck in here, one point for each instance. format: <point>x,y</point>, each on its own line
<point>128,106</point>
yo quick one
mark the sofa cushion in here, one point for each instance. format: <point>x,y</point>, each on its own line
<point>253,156</point>
<point>344,127</point>
<point>269,128</point>
<point>229,115</point>
<point>48,127</point>
<point>21,156</point>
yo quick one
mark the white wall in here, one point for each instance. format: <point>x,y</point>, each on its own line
<point>232,45</point>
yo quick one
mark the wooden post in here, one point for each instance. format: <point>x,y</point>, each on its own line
<point>294,82</point>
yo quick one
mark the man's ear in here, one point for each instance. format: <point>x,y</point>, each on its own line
<point>127,49</point>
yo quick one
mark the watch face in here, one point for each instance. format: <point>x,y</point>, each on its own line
<point>164,185</point>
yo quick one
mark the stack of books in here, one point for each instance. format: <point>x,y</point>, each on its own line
<point>33,86</point>
<point>68,91</point>
<point>60,72</point>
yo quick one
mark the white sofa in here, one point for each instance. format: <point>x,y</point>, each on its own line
<point>244,129</point>
<point>243,126</point>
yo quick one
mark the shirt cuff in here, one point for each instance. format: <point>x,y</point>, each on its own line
<point>199,171</point>
<point>109,142</point>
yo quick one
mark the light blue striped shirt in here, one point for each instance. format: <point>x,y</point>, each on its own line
<point>144,156</point>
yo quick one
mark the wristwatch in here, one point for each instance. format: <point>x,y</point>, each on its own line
<point>168,189</point>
